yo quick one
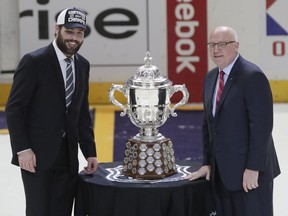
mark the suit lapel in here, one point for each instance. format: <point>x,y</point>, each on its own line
<point>210,87</point>
<point>54,63</point>
<point>229,83</point>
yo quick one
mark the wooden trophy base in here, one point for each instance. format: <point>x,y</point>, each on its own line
<point>149,160</point>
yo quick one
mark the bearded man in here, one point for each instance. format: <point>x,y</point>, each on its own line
<point>48,116</point>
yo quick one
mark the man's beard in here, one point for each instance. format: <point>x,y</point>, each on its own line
<point>66,50</point>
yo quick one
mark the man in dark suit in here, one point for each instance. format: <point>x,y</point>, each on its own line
<point>239,153</point>
<point>48,115</point>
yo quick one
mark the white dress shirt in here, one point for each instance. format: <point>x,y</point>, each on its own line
<point>226,71</point>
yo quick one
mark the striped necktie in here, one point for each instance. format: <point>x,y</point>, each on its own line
<point>220,88</point>
<point>69,86</point>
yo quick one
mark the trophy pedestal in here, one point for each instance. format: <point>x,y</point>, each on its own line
<point>149,160</point>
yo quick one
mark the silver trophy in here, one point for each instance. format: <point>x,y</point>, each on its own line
<point>149,154</point>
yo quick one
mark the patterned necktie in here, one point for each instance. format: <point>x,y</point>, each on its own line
<point>69,87</point>
<point>220,88</point>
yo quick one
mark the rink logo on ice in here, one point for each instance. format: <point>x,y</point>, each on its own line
<point>276,17</point>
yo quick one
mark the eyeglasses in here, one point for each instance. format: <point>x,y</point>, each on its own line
<point>221,45</point>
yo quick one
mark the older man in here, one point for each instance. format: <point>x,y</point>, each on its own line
<point>239,153</point>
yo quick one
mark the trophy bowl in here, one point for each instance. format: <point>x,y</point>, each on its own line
<point>149,154</point>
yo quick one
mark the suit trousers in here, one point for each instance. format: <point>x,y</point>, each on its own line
<point>51,192</point>
<point>239,203</point>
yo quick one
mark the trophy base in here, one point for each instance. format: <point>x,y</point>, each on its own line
<point>149,160</point>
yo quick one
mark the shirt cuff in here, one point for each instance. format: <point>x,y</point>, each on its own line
<point>23,151</point>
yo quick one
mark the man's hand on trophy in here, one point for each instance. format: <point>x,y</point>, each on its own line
<point>204,171</point>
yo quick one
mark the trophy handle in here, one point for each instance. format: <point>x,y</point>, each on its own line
<point>116,102</point>
<point>184,99</point>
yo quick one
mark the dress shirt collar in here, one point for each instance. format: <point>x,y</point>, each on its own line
<point>228,69</point>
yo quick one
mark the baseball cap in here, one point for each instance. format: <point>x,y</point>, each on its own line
<point>72,18</point>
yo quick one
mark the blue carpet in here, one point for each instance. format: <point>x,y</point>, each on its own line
<point>3,123</point>
<point>184,131</point>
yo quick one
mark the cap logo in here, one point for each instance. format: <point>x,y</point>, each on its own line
<point>76,17</point>
<point>72,18</point>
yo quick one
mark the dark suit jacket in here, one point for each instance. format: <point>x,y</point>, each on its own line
<point>36,112</point>
<point>240,134</point>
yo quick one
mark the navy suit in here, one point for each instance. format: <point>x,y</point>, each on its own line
<point>239,136</point>
<point>36,111</point>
